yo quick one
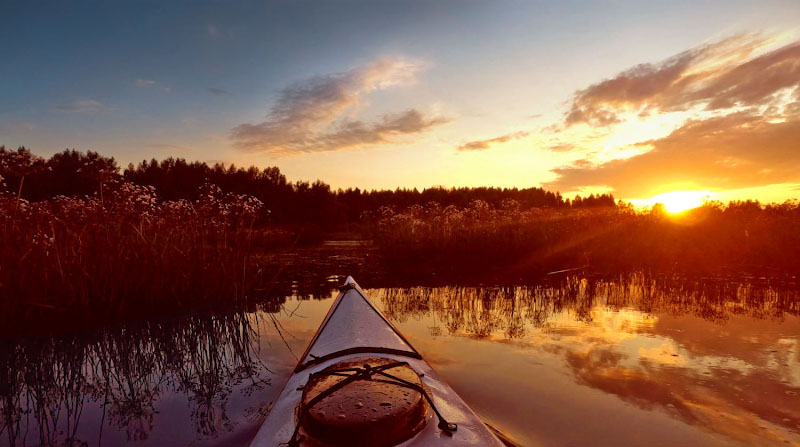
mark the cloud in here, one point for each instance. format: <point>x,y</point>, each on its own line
<point>315,114</point>
<point>735,105</point>
<point>479,145</point>
<point>561,147</point>
<point>735,72</point>
<point>145,82</point>
<point>737,150</point>
<point>357,133</point>
<point>82,106</point>
<point>219,91</point>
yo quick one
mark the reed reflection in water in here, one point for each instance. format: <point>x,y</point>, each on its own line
<point>630,360</point>
<point>117,375</point>
<point>634,360</point>
<point>483,311</point>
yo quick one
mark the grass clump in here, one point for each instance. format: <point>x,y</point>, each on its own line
<point>122,253</point>
<point>739,236</point>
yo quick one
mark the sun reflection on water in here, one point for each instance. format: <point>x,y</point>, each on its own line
<point>695,365</point>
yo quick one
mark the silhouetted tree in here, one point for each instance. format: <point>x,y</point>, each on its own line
<point>72,173</point>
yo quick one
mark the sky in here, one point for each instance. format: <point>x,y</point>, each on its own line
<point>639,99</point>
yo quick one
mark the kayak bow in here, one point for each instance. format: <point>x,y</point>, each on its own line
<point>361,383</point>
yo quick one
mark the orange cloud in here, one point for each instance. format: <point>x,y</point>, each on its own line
<point>484,144</point>
<point>737,150</point>
<point>740,109</point>
<point>715,76</point>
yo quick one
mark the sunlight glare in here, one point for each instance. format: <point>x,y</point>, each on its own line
<point>678,201</point>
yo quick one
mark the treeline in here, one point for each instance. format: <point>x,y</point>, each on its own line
<point>71,173</point>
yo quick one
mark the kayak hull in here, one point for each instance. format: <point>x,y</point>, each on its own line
<point>352,329</point>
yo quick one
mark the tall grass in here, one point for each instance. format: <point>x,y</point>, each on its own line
<point>744,236</point>
<point>122,253</point>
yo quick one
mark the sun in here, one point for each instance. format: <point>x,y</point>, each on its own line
<point>678,201</point>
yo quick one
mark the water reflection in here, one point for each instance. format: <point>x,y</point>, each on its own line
<point>482,311</point>
<point>46,383</point>
<point>721,357</point>
<point>578,360</point>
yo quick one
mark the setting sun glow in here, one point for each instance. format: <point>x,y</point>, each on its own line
<point>677,201</point>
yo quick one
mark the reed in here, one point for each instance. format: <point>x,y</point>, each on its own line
<point>739,236</point>
<point>122,253</point>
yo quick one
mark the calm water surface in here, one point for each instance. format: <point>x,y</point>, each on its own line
<point>572,362</point>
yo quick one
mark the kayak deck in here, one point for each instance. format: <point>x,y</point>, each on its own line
<point>354,325</point>
<point>354,328</point>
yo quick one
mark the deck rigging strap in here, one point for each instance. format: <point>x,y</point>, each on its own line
<point>356,350</point>
<point>364,373</point>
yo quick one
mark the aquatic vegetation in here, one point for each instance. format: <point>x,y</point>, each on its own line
<point>83,243</point>
<point>123,253</point>
<point>739,236</point>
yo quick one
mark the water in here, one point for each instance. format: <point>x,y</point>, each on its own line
<point>631,360</point>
